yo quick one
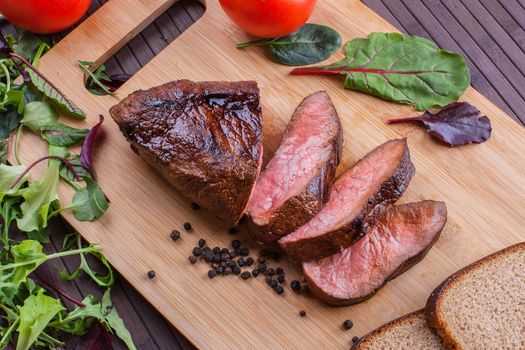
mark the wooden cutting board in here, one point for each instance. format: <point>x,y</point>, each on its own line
<point>483,185</point>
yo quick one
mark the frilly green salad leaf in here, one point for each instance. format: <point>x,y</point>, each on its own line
<point>39,197</point>
<point>312,43</point>
<point>42,119</point>
<point>404,69</point>
<point>38,310</point>
<point>89,203</point>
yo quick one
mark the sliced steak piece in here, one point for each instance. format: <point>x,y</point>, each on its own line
<point>295,184</point>
<point>397,239</point>
<point>379,178</point>
<point>205,138</point>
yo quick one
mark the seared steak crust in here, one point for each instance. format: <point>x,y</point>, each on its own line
<point>205,138</point>
<point>389,192</point>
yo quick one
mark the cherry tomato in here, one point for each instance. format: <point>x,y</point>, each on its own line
<point>268,18</point>
<point>43,16</point>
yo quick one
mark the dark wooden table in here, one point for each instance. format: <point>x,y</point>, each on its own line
<point>489,33</point>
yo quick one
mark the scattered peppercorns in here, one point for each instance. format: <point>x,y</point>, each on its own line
<point>197,251</point>
<point>232,231</point>
<point>245,275</point>
<point>236,244</point>
<point>195,206</point>
<point>280,278</point>
<point>279,270</point>
<point>255,272</point>
<point>302,313</point>
<point>347,324</point>
<point>275,256</point>
<point>216,250</point>
<point>272,283</point>
<point>279,290</point>
<point>244,251</point>
<point>202,242</point>
<point>225,257</point>
<point>151,274</point>
<point>295,285</point>
<point>241,262</point>
<point>212,273</point>
<point>175,235</point>
<point>227,271</point>
<point>355,340</point>
<point>192,259</point>
<point>187,226</point>
<point>208,256</point>
<point>270,272</point>
<point>249,261</point>
<point>261,267</point>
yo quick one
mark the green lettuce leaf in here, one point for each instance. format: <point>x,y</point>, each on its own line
<point>39,196</point>
<point>8,175</point>
<point>36,313</point>
<point>89,203</point>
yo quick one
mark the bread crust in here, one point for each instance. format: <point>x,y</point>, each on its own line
<point>434,302</point>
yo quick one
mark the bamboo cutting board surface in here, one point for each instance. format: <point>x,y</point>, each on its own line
<point>482,185</point>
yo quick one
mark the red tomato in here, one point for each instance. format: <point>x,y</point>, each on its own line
<point>268,18</point>
<point>43,16</point>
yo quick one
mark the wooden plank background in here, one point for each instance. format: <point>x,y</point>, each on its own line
<point>489,33</point>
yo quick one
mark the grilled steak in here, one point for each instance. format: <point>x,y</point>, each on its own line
<point>397,239</point>
<point>205,138</point>
<point>379,178</point>
<point>296,182</point>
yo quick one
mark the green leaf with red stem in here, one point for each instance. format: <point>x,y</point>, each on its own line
<point>404,69</point>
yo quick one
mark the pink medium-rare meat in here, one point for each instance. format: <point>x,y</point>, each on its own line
<point>205,138</point>
<point>295,184</point>
<point>395,240</point>
<point>380,178</point>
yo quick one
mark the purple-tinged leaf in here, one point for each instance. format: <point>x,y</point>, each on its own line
<point>86,154</point>
<point>457,124</point>
<point>97,338</point>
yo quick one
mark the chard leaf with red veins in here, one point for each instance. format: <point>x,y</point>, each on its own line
<point>86,154</point>
<point>457,124</point>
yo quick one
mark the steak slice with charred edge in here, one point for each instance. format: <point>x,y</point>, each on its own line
<point>397,239</point>
<point>205,138</point>
<point>296,182</point>
<point>378,179</point>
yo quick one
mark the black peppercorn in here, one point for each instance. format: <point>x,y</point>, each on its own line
<point>192,259</point>
<point>355,340</point>
<point>249,261</point>
<point>225,251</point>
<point>255,272</point>
<point>231,263</point>
<point>194,206</point>
<point>273,283</point>
<point>262,267</point>
<point>244,251</point>
<point>187,226</point>
<point>216,250</point>
<point>219,270</point>
<point>347,324</point>
<point>302,313</point>
<point>295,285</point>
<point>202,242</point>
<point>212,273</point>
<point>241,262</point>
<point>279,289</point>
<point>216,258</point>
<point>225,257</point>
<point>280,278</point>
<point>197,251</point>
<point>232,231</point>
<point>236,244</point>
<point>227,271</point>
<point>236,270</point>
<point>245,275</point>
<point>279,270</point>
<point>232,255</point>
<point>151,274</point>
<point>261,260</point>
<point>208,256</point>
<point>270,272</point>
<point>175,235</point>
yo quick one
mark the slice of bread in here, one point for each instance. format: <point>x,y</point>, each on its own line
<point>407,332</point>
<point>483,305</point>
